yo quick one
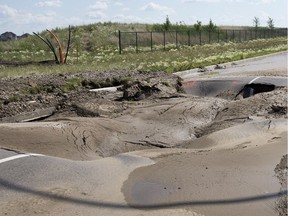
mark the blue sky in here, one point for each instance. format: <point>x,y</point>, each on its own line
<point>26,16</point>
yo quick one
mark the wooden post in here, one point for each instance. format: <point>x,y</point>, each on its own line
<point>119,38</point>
<point>240,35</point>
<point>189,37</point>
<point>176,32</point>
<point>151,37</point>
<point>164,39</point>
<point>136,42</point>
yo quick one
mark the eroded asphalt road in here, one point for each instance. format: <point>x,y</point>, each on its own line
<point>262,64</point>
<point>213,86</point>
<point>235,76</point>
<point>33,179</point>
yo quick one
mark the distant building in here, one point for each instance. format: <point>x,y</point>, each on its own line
<point>8,36</point>
<point>23,36</point>
<point>11,36</point>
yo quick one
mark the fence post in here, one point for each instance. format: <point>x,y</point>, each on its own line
<point>151,37</point>
<point>189,39</point>
<point>176,32</point>
<point>136,42</point>
<point>164,39</point>
<point>119,38</point>
<point>240,35</point>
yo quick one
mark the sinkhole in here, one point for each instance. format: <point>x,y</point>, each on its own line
<point>255,88</point>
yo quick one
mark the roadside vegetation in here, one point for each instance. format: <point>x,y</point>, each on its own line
<point>95,47</point>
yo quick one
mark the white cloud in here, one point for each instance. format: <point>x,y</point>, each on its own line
<point>96,11</point>
<point>99,5</point>
<point>125,9</point>
<point>99,15</point>
<point>28,18</point>
<point>259,2</point>
<point>125,18</point>
<point>6,11</point>
<point>49,3</point>
<point>21,17</point>
<point>212,1</point>
<point>16,19</point>
<point>199,1</point>
<point>156,7</point>
<point>118,4</point>
<point>254,2</point>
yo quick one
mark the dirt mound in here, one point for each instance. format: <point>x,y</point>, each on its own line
<point>69,93</point>
<point>140,90</point>
<point>266,105</point>
<point>281,170</point>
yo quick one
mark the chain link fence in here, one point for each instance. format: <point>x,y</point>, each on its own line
<point>156,40</point>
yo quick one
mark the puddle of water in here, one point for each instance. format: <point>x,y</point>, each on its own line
<point>153,193</point>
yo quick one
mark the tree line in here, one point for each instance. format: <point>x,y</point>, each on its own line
<point>211,26</point>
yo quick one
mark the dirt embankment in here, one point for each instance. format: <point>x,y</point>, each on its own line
<point>68,92</point>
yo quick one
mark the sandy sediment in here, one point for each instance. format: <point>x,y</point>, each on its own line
<point>171,154</point>
<point>236,177</point>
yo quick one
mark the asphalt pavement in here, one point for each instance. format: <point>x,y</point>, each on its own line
<point>213,81</point>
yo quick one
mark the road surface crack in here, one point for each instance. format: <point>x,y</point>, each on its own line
<point>148,143</point>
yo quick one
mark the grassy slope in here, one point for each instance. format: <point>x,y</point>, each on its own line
<point>98,50</point>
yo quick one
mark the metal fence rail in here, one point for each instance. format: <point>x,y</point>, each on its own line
<point>155,40</point>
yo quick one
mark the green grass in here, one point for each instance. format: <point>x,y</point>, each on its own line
<point>106,58</point>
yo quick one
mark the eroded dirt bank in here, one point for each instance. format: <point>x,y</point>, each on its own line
<point>148,111</point>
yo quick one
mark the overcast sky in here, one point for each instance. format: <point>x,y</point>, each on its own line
<point>25,16</point>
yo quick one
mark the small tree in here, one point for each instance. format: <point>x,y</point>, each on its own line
<point>256,22</point>
<point>270,23</point>
<point>211,26</point>
<point>198,25</point>
<point>167,24</point>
